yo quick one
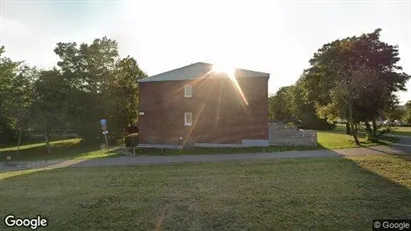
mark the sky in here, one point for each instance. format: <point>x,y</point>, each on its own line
<point>278,37</point>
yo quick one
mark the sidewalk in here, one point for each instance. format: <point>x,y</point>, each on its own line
<point>155,160</point>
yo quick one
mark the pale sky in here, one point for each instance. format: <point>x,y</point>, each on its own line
<point>278,37</point>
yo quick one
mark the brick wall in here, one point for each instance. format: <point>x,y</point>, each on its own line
<point>219,113</point>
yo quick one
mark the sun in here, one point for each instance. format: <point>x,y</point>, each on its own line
<point>230,72</point>
<point>226,69</point>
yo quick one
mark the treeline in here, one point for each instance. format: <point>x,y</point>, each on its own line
<point>352,80</point>
<point>90,82</point>
<point>401,115</point>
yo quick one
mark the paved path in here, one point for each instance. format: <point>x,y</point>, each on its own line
<point>402,147</point>
<point>153,160</point>
<point>403,140</point>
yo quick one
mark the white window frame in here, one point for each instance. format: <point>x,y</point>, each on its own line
<point>188,91</point>
<point>186,122</point>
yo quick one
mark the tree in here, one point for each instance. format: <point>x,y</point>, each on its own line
<point>407,113</point>
<point>16,94</point>
<point>50,103</point>
<point>99,84</point>
<point>124,96</point>
<point>88,70</point>
<point>395,114</point>
<point>21,95</point>
<point>351,74</point>
<point>304,112</point>
<point>279,107</point>
<point>8,69</point>
<point>288,105</point>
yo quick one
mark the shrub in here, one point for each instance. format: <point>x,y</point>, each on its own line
<point>381,130</point>
<point>290,124</point>
<point>314,124</point>
<point>131,140</point>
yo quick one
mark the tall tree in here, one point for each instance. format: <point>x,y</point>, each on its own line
<point>356,72</point>
<point>407,112</point>
<point>16,94</point>
<point>278,106</point>
<point>124,96</point>
<point>8,69</point>
<point>50,103</point>
<point>304,112</point>
<point>88,71</point>
<point>99,85</point>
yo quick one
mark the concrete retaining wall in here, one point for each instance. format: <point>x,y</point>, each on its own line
<point>281,134</point>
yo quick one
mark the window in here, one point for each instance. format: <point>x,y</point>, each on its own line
<point>188,119</point>
<point>188,91</point>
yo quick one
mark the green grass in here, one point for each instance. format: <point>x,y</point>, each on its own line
<point>404,131</point>
<point>330,139</point>
<point>74,148</point>
<point>336,139</point>
<point>284,194</point>
<point>61,149</point>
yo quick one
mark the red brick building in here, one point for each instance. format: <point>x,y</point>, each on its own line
<point>197,105</point>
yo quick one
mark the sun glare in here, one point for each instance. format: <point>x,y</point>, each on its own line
<point>223,69</point>
<point>230,72</point>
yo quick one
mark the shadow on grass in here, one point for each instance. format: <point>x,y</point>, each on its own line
<point>63,149</point>
<point>36,141</point>
<point>282,194</point>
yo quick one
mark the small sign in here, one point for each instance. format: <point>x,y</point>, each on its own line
<point>103,127</point>
<point>141,113</point>
<point>105,132</point>
<point>103,122</point>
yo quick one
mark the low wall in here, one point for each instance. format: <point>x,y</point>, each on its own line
<point>211,145</point>
<point>160,146</point>
<point>281,134</point>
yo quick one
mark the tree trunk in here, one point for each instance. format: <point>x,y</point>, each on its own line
<point>354,134</point>
<point>368,128</point>
<point>355,128</point>
<point>46,137</point>
<point>347,128</point>
<point>18,143</point>
<point>374,126</point>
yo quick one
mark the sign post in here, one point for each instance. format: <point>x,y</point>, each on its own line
<point>103,123</point>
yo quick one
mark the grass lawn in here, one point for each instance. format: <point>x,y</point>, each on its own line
<point>284,194</point>
<point>67,148</point>
<point>73,148</point>
<point>405,131</point>
<point>336,139</point>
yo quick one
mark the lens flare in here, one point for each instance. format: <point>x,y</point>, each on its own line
<point>230,72</point>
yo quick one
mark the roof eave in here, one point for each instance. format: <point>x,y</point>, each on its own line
<point>147,80</point>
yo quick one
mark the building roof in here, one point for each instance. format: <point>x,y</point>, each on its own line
<point>198,70</point>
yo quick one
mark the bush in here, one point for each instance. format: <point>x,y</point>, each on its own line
<point>131,140</point>
<point>290,124</point>
<point>375,136</point>
<point>314,123</point>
